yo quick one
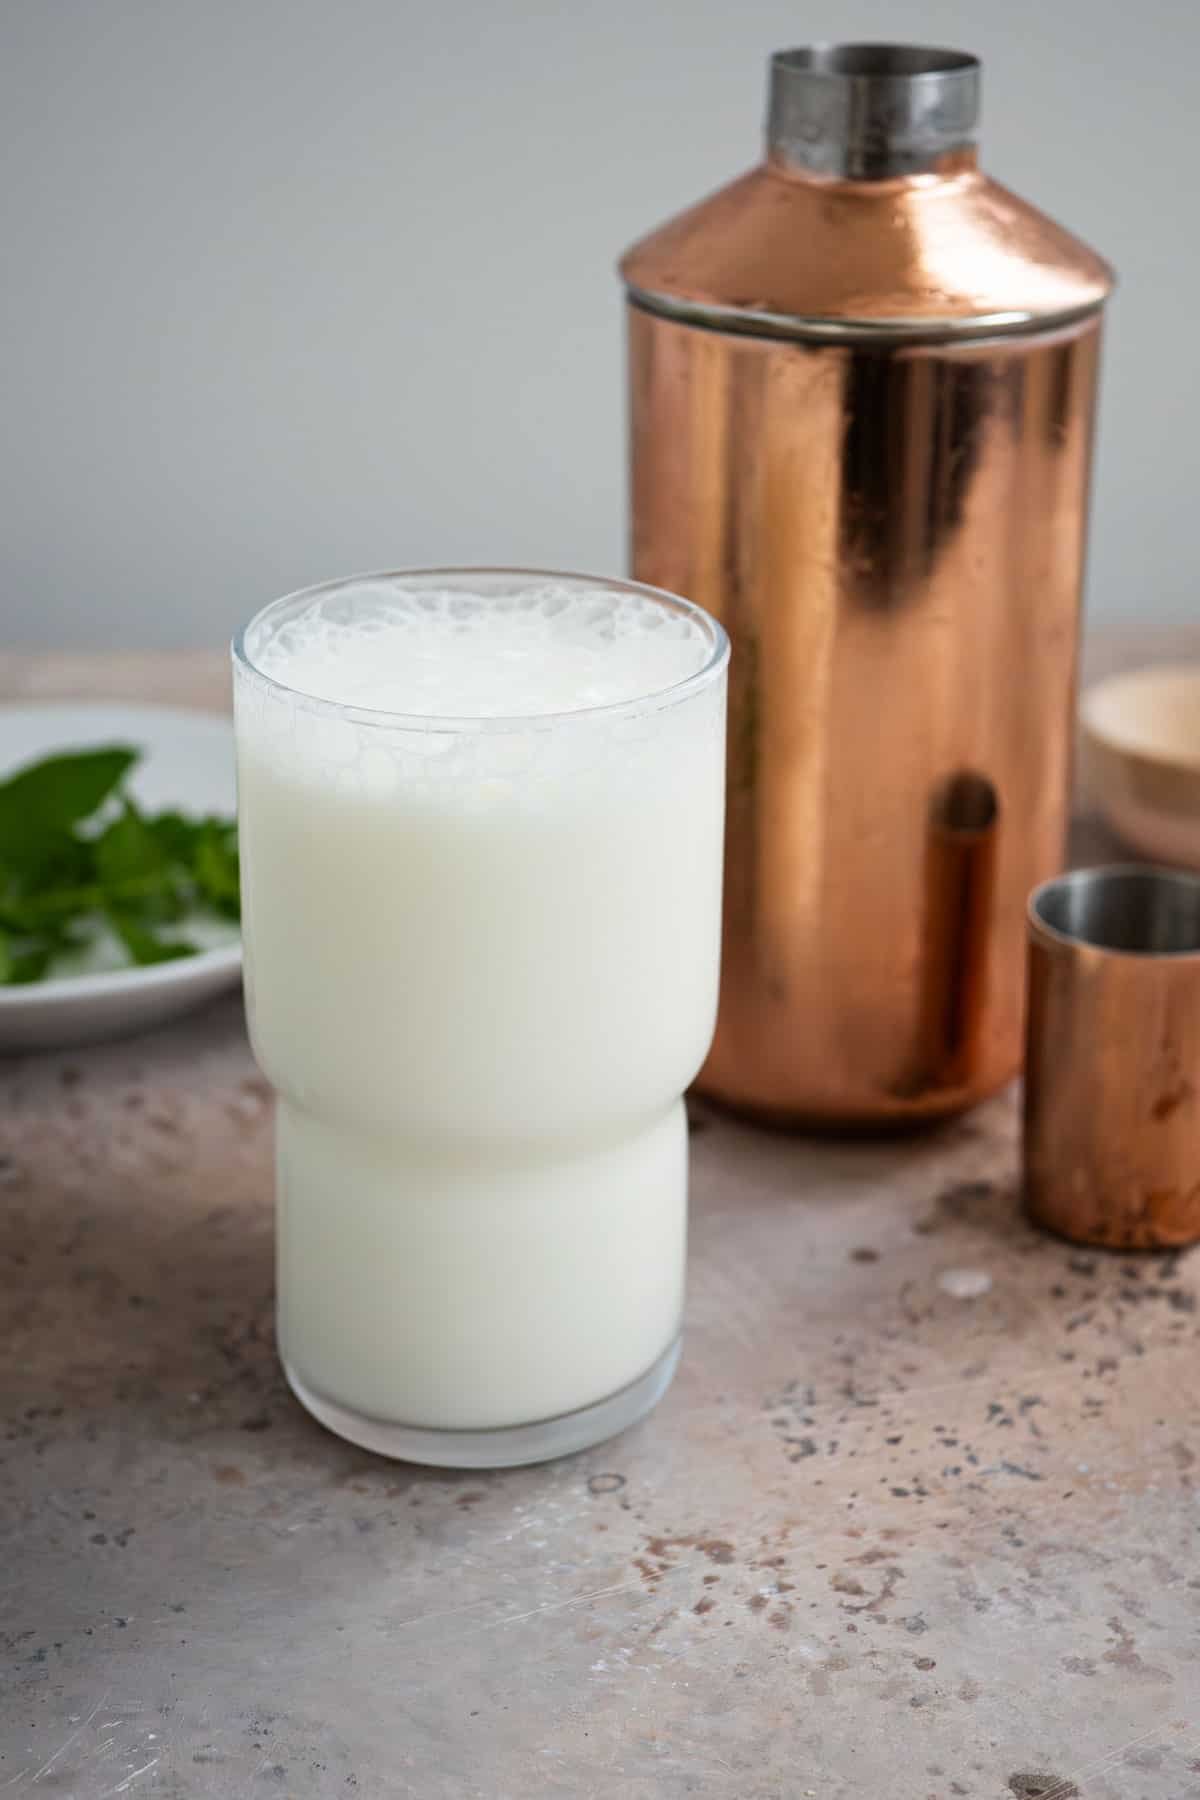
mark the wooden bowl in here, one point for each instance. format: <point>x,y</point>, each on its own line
<point>1141,742</point>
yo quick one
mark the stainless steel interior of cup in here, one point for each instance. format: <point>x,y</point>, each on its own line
<point>1139,910</point>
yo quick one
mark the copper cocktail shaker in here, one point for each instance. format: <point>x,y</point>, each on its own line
<point>863,380</point>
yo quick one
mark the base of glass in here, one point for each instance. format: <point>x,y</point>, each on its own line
<point>505,1447</point>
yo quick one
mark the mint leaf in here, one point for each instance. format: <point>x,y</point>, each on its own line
<point>129,851</point>
<point>23,961</point>
<point>58,861</point>
<point>31,964</point>
<point>143,947</point>
<point>135,870</point>
<point>216,867</point>
<point>70,858</point>
<point>176,835</point>
<point>48,797</point>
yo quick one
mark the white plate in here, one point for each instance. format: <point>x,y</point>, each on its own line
<point>187,762</point>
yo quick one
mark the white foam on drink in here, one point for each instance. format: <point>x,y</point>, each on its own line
<point>442,653</point>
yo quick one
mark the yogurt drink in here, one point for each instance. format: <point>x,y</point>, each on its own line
<point>481,826</point>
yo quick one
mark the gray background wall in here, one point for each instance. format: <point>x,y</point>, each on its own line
<point>298,287</point>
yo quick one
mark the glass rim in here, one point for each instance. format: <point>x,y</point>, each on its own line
<point>651,699</point>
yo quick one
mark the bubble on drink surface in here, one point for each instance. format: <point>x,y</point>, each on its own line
<point>442,652</point>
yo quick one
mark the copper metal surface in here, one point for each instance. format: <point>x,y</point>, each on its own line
<point>944,254</point>
<point>891,527</point>
<point>1112,1086</point>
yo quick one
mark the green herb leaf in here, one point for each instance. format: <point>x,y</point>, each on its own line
<point>176,835</point>
<point>129,851</point>
<point>135,870</point>
<point>31,964</point>
<point>143,947</point>
<point>69,858</point>
<point>23,961</point>
<point>216,867</point>
<point>47,797</point>
<point>29,882</point>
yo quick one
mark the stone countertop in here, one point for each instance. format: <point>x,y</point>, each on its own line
<point>917,1520</point>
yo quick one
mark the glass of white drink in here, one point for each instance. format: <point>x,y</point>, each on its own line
<point>481,819</point>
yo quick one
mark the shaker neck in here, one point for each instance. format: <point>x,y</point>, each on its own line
<point>872,112</point>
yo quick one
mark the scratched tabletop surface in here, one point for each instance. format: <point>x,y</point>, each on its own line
<point>917,1520</point>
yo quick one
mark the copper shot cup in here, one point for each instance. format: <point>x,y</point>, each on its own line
<point>1112,1081</point>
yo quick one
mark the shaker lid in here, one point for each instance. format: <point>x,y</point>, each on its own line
<point>869,218</point>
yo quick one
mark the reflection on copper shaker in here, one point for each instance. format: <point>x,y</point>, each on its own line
<point>862,390</point>
<point>1112,1080</point>
<point>960,866</point>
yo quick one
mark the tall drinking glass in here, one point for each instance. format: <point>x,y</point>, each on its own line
<point>481,825</point>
